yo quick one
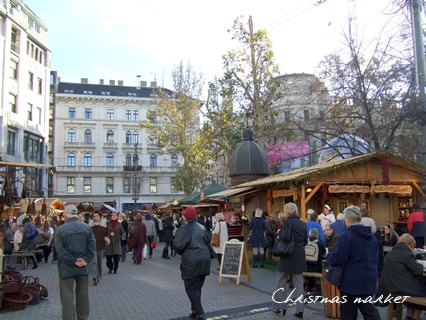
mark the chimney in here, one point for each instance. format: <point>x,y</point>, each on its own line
<point>120,82</point>
<point>101,81</point>
<point>143,83</point>
<point>153,84</point>
<point>112,82</point>
<point>84,80</point>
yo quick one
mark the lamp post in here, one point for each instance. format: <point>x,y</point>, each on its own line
<point>419,55</point>
<point>135,164</point>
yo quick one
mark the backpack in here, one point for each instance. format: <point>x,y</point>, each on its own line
<point>311,251</point>
<point>134,230</point>
<point>31,231</point>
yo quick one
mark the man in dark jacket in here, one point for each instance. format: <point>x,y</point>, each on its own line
<point>192,242</point>
<point>100,232</point>
<point>402,275</point>
<point>357,252</point>
<point>330,238</point>
<point>76,247</point>
<point>415,226</point>
<point>168,234</point>
<point>30,239</point>
<point>290,268</point>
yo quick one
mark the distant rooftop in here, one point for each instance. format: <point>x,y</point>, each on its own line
<point>108,90</point>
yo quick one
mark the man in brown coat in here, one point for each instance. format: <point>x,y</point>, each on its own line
<point>101,235</point>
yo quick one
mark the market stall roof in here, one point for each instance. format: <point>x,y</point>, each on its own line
<point>322,169</point>
<point>208,190</point>
<point>24,164</point>
<point>110,208</point>
<point>230,193</point>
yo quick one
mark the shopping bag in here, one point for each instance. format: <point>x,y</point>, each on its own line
<point>145,251</point>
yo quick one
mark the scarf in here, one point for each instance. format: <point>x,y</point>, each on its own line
<point>113,224</point>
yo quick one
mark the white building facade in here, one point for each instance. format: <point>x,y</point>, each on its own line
<point>101,153</point>
<point>24,94</point>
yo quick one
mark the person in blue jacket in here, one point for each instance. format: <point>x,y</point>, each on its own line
<point>313,224</point>
<point>339,226</point>
<point>357,252</point>
<point>258,243</point>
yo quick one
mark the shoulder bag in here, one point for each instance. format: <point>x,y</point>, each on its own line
<point>216,238</point>
<point>282,248</point>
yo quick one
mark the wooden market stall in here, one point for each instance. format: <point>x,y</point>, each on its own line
<point>390,185</point>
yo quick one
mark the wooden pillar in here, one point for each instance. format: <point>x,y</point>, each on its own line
<point>303,203</point>
<point>269,201</point>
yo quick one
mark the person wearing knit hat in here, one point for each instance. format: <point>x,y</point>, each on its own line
<point>193,244</point>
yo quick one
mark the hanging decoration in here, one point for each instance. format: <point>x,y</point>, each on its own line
<point>324,191</point>
<point>385,170</point>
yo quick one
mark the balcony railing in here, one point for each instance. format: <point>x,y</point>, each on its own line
<point>133,168</point>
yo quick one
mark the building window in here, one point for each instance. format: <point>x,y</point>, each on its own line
<point>135,160</point>
<point>12,102</point>
<point>174,160</point>
<point>109,185</point>
<point>13,69</point>
<point>71,159</point>
<point>306,115</point>
<point>71,112</point>
<point>128,160</point>
<point>128,115</point>
<point>87,159</point>
<point>126,185</point>
<point>110,136</point>
<point>39,115</point>
<point>70,184</point>
<point>30,23</point>
<point>110,160</point>
<point>287,115</point>
<point>153,161</point>
<point>110,114</point>
<point>87,184</point>
<point>153,185</point>
<point>71,135</point>
<point>33,148</point>
<point>87,136</point>
<point>88,113</point>
<point>153,141</point>
<point>30,80</point>
<point>30,112</point>
<point>128,137</point>
<point>135,137</point>
<point>40,86</point>
<point>14,45</point>
<point>37,28</point>
<point>135,115</point>
<point>11,136</point>
<point>173,185</point>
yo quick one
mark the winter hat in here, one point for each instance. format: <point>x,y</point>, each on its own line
<point>190,213</point>
<point>148,216</point>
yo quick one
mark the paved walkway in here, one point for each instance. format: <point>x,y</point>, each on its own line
<point>154,290</point>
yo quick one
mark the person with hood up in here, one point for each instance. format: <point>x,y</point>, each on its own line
<point>357,252</point>
<point>193,244</point>
<point>100,231</point>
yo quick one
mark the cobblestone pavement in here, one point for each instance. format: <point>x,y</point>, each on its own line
<point>154,290</point>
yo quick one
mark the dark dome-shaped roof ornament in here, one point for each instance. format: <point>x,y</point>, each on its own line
<point>247,134</point>
<point>248,161</point>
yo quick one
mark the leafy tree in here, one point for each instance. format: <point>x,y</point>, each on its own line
<point>175,127</point>
<point>225,124</point>
<point>249,73</point>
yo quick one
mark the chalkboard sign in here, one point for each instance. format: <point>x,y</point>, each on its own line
<point>234,261</point>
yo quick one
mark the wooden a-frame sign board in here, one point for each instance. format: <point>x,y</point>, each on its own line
<point>234,261</point>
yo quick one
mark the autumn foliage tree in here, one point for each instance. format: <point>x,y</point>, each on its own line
<point>175,127</point>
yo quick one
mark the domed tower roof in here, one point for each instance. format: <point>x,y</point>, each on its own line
<point>248,161</point>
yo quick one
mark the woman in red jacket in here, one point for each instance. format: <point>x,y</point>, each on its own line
<point>137,238</point>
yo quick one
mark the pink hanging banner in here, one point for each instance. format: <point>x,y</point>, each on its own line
<point>288,150</point>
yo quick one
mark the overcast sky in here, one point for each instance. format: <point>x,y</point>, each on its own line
<point>109,39</point>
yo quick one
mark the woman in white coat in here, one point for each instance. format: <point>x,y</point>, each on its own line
<point>220,228</point>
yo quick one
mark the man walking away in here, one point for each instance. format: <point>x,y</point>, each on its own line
<point>76,247</point>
